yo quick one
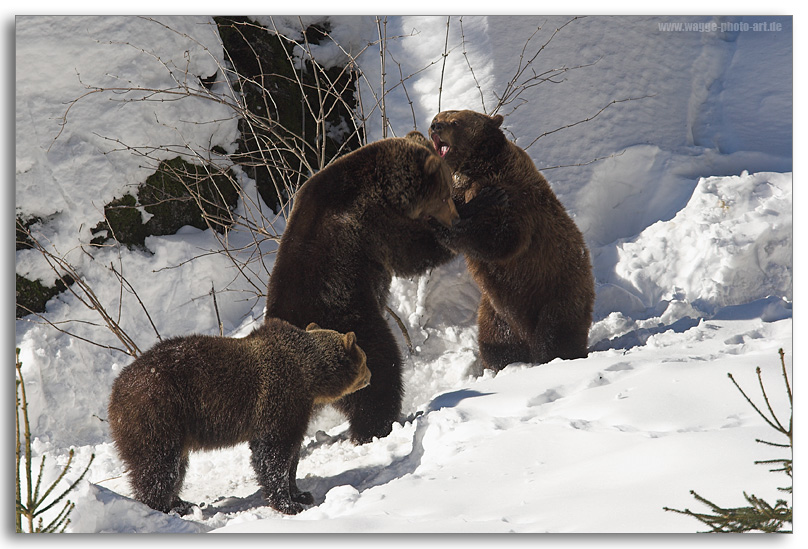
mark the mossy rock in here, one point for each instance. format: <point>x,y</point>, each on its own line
<point>23,240</point>
<point>124,223</point>
<point>276,96</point>
<point>178,193</point>
<point>32,295</point>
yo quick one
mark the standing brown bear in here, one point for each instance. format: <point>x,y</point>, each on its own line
<point>205,392</point>
<point>522,248</point>
<point>354,225</point>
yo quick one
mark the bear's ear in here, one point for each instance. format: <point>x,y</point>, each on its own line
<point>349,340</point>
<point>432,164</point>
<point>312,326</point>
<point>419,138</point>
<point>497,120</point>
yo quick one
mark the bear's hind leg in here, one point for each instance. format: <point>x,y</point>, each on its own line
<point>560,334</point>
<point>180,506</point>
<point>156,479</point>
<point>499,345</point>
<point>560,340</point>
<point>294,492</point>
<point>373,410</point>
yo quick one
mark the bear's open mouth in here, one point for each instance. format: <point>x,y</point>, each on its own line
<point>440,146</point>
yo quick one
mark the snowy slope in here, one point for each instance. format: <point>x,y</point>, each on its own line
<point>689,221</point>
<point>594,445</point>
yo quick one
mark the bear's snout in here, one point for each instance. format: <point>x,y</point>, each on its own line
<point>364,379</point>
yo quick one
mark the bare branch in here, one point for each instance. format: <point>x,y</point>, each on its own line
<point>598,159</point>
<point>513,87</point>
<point>132,290</point>
<point>567,126</point>
<point>445,55</point>
<point>382,50</point>
<point>64,271</point>
<point>471,70</point>
<point>216,308</point>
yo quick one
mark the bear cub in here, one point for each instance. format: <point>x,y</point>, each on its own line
<point>522,248</point>
<point>354,225</point>
<point>205,392</point>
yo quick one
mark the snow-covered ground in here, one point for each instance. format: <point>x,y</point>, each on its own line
<point>688,216</point>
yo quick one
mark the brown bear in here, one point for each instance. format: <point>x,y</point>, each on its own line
<point>521,247</point>
<point>354,225</point>
<point>204,392</point>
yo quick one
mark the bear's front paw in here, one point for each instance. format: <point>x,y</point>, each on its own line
<point>459,227</point>
<point>182,507</point>
<point>442,233</point>
<point>303,497</point>
<point>487,198</point>
<point>286,507</point>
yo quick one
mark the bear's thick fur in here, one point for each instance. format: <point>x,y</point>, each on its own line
<point>205,392</point>
<point>522,248</point>
<point>354,225</point>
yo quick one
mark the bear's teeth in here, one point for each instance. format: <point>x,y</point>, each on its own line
<point>443,150</point>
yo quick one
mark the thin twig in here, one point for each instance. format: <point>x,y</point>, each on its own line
<point>471,69</point>
<point>401,326</point>
<point>62,268</point>
<point>443,67</point>
<point>598,159</point>
<point>216,308</point>
<point>567,126</point>
<point>382,50</point>
<point>134,292</point>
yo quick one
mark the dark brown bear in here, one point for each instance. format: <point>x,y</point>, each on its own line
<point>354,225</point>
<point>205,392</point>
<point>522,248</point>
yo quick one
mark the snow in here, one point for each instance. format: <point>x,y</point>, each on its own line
<point>688,216</point>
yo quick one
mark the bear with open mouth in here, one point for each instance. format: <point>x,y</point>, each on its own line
<point>521,246</point>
